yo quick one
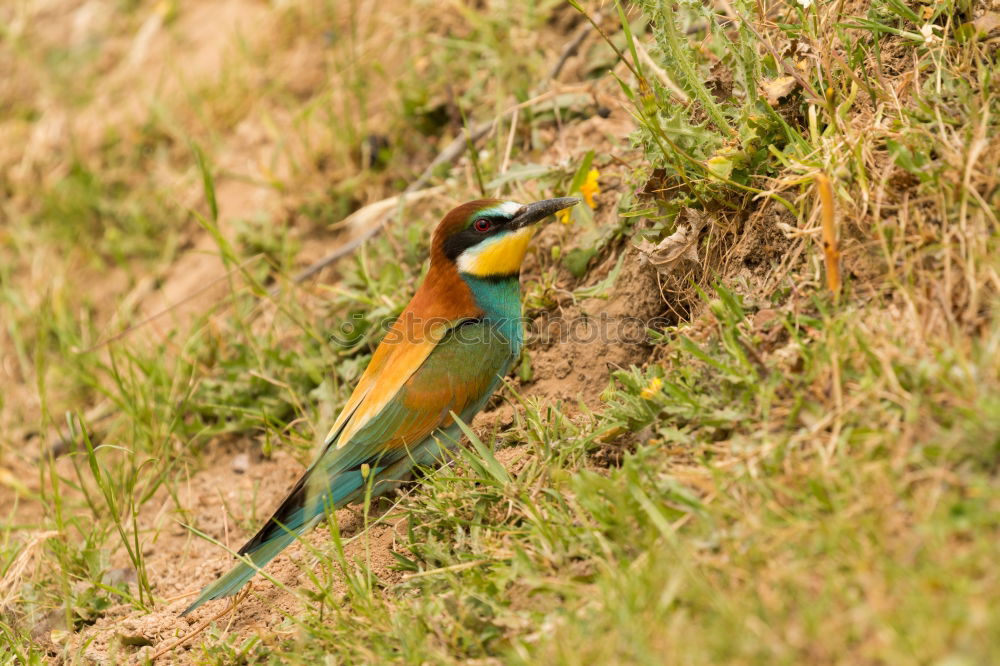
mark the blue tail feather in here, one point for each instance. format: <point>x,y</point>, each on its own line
<point>294,517</point>
<point>230,584</point>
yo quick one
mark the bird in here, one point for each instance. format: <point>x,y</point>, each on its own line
<point>443,357</point>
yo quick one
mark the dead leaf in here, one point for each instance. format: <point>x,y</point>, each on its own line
<point>775,89</point>
<point>678,246</point>
<point>987,23</point>
<point>656,183</point>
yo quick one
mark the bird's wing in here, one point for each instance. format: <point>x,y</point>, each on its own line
<point>460,372</point>
<point>458,376</point>
<point>393,363</point>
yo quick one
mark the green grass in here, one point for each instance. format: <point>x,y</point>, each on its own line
<point>788,476</point>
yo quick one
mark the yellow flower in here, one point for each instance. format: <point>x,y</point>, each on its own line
<point>590,187</point>
<point>563,216</point>
<point>652,390</point>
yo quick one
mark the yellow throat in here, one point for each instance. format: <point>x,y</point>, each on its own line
<point>501,255</point>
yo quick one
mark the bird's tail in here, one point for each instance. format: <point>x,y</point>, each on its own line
<point>302,508</point>
<point>237,577</point>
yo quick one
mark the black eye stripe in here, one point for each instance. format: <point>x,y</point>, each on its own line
<point>459,242</point>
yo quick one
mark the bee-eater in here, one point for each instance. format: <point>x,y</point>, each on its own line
<point>444,356</point>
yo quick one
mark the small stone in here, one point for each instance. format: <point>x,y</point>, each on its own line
<point>119,576</point>
<point>764,317</point>
<point>136,640</point>
<point>241,463</point>
<point>48,625</point>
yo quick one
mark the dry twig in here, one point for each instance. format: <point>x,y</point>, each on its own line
<point>830,248</point>
<point>201,627</point>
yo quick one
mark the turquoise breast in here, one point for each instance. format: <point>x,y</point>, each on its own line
<point>500,299</point>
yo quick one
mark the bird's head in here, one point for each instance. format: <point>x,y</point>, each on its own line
<point>488,238</point>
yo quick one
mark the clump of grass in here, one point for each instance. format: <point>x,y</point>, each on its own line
<point>122,502</point>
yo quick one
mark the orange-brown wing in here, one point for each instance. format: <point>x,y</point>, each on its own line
<point>458,376</point>
<point>395,360</point>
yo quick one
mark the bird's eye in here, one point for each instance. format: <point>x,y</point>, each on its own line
<point>481,225</point>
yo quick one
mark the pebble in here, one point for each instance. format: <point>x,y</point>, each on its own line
<point>241,463</point>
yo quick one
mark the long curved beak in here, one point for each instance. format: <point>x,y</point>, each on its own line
<point>535,212</point>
